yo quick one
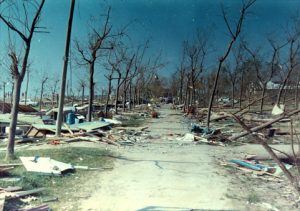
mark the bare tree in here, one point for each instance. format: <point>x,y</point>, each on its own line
<point>262,75</point>
<point>112,68</point>
<point>19,64</point>
<point>53,90</point>
<point>98,40</point>
<point>293,61</point>
<point>128,66</point>
<point>233,73</point>
<point>233,35</point>
<point>82,85</point>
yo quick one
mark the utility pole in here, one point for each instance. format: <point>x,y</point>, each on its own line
<point>64,73</point>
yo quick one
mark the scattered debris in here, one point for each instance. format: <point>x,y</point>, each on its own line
<point>155,114</point>
<point>54,142</point>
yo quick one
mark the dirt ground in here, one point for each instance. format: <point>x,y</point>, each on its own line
<point>164,173</point>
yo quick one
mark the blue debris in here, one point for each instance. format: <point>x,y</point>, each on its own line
<point>203,130</point>
<point>256,167</point>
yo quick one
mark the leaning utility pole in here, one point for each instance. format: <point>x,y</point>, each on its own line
<point>64,73</point>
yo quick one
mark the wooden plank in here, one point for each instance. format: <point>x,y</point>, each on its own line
<point>69,129</point>
<point>28,192</point>
<point>6,169</point>
<point>28,131</point>
<point>10,165</point>
<point>106,140</point>
<point>2,202</point>
<point>43,207</point>
<point>12,189</point>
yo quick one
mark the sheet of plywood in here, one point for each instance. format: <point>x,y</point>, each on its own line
<point>45,165</point>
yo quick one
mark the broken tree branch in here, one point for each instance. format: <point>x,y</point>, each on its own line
<point>262,126</point>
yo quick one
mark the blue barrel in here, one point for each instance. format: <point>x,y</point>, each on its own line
<point>71,118</point>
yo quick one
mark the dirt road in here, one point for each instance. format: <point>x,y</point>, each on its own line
<point>162,174</point>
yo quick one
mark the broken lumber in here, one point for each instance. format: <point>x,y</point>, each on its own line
<point>43,207</point>
<point>28,192</point>
<point>69,129</point>
<point>87,168</point>
<point>259,173</point>
<point>6,169</point>
<point>2,202</point>
<point>10,165</point>
<point>83,138</point>
<point>262,126</point>
<point>11,189</point>
<point>108,141</point>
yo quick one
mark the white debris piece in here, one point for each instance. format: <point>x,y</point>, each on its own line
<point>278,109</point>
<point>188,138</point>
<point>45,165</point>
<point>113,121</point>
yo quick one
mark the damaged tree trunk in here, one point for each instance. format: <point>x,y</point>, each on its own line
<point>241,89</point>
<point>297,93</point>
<point>262,98</point>
<point>91,90</point>
<point>117,94</point>
<point>14,118</point>
<point>108,94</point>
<point>82,95</point>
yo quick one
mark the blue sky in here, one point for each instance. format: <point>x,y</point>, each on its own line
<point>167,23</point>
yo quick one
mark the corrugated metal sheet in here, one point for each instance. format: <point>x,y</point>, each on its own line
<point>86,126</point>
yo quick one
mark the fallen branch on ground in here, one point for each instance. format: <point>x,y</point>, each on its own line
<point>262,126</point>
